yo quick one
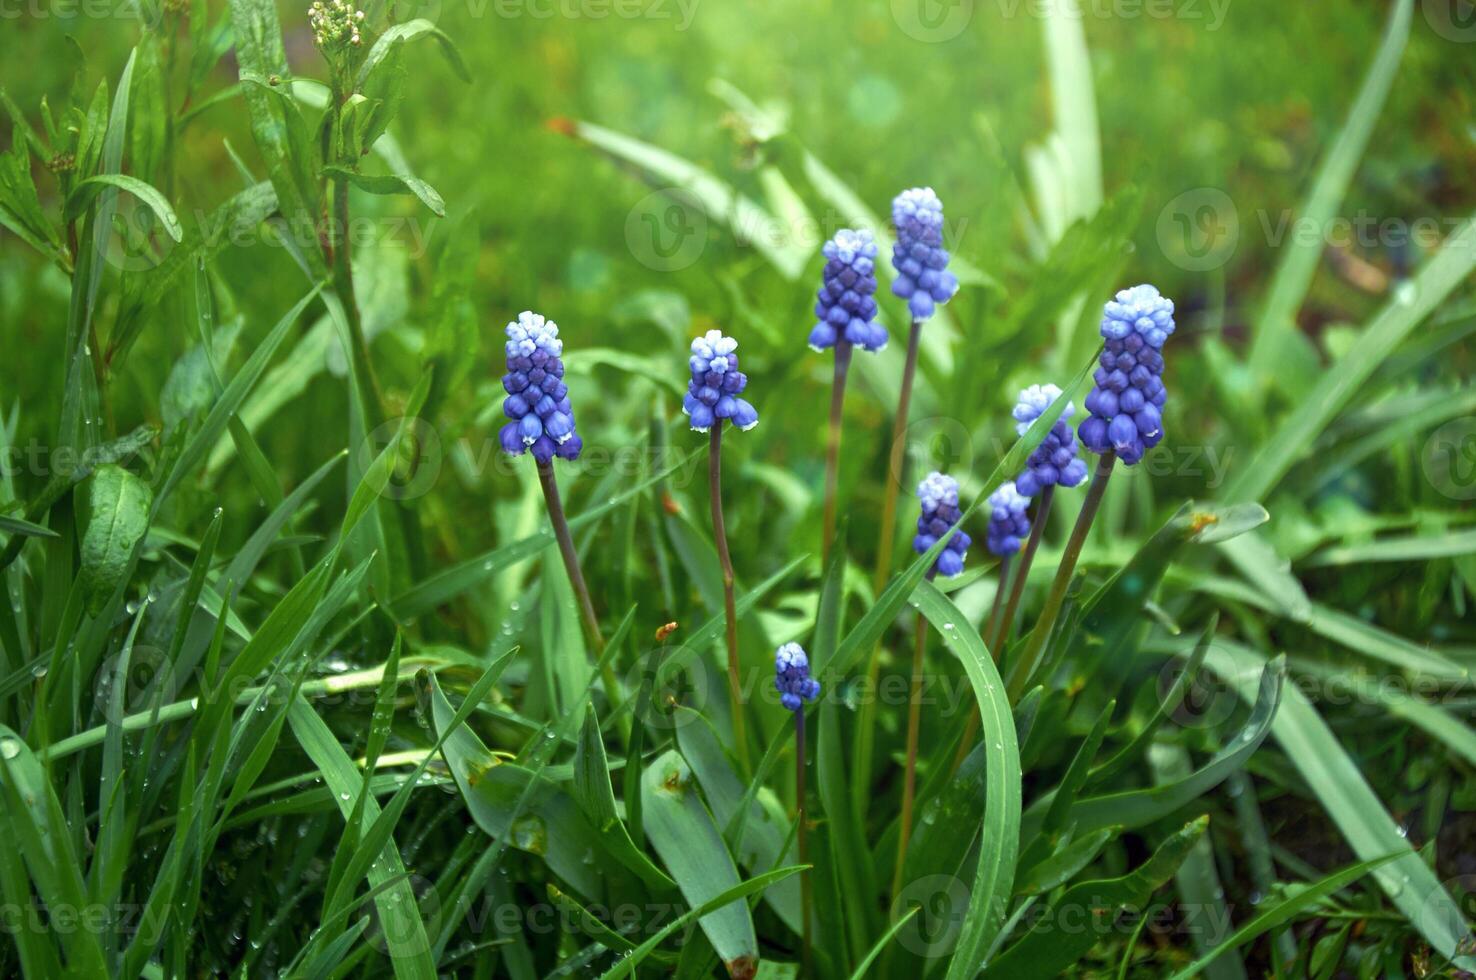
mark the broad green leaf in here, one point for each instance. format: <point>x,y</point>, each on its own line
<point>120,516</point>
<point>684,834</point>
<point>400,33</point>
<point>596,797</point>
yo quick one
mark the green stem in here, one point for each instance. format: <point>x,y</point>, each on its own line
<point>1052,608</point>
<point>576,577</point>
<point>343,284</point>
<point>1003,626</point>
<point>832,450</point>
<point>914,726</point>
<point>802,839</point>
<point>730,609</point>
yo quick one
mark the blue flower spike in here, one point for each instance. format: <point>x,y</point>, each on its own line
<point>1054,462</point>
<point>1126,405</point>
<point>919,257</point>
<point>938,495</point>
<point>712,394</point>
<point>1008,525</point>
<point>792,677</point>
<point>540,417</point>
<point>845,306</point>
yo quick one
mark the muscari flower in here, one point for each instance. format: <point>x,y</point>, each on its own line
<point>1054,460</point>
<point>845,304</point>
<point>792,677</point>
<point>335,21</point>
<point>537,402</point>
<point>919,257</point>
<point>1126,404</point>
<point>939,497</point>
<point>1008,525</point>
<point>712,394</point>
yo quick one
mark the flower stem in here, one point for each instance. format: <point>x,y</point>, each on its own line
<point>802,836</point>
<point>832,451</point>
<point>866,723</point>
<point>914,725</point>
<point>1017,588</point>
<point>730,611</point>
<point>576,577</point>
<point>1052,608</point>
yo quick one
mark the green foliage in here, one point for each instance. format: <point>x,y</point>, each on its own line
<point>292,679</point>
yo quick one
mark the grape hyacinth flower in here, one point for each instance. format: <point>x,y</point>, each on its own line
<point>540,419</point>
<point>1126,421</point>
<point>1054,462</point>
<point>795,686</point>
<point>712,393</point>
<point>938,495</point>
<point>919,257</point>
<point>845,304</point>
<point>1008,525</point>
<point>712,397</point>
<point>792,677</point>
<point>537,402</point>
<point>1126,405</point>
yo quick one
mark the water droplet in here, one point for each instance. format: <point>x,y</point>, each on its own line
<point>9,748</point>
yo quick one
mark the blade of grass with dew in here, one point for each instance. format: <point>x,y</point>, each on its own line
<point>1139,807</point>
<point>404,931</point>
<point>592,790</point>
<point>1281,912</point>
<point>1350,802</point>
<point>627,965</point>
<point>1046,950</point>
<point>1198,879</point>
<point>1000,833</point>
<point>1293,277</point>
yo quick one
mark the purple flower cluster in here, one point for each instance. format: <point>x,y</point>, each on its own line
<point>1126,404</point>
<point>712,394</point>
<point>919,257</point>
<point>939,497</point>
<point>1054,460</point>
<point>792,677</point>
<point>537,402</point>
<point>1008,525</point>
<point>845,305</point>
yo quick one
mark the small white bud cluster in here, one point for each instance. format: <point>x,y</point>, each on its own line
<point>334,22</point>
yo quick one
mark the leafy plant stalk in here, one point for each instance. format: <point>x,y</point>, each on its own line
<point>802,840</point>
<point>1052,608</point>
<point>730,611</point>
